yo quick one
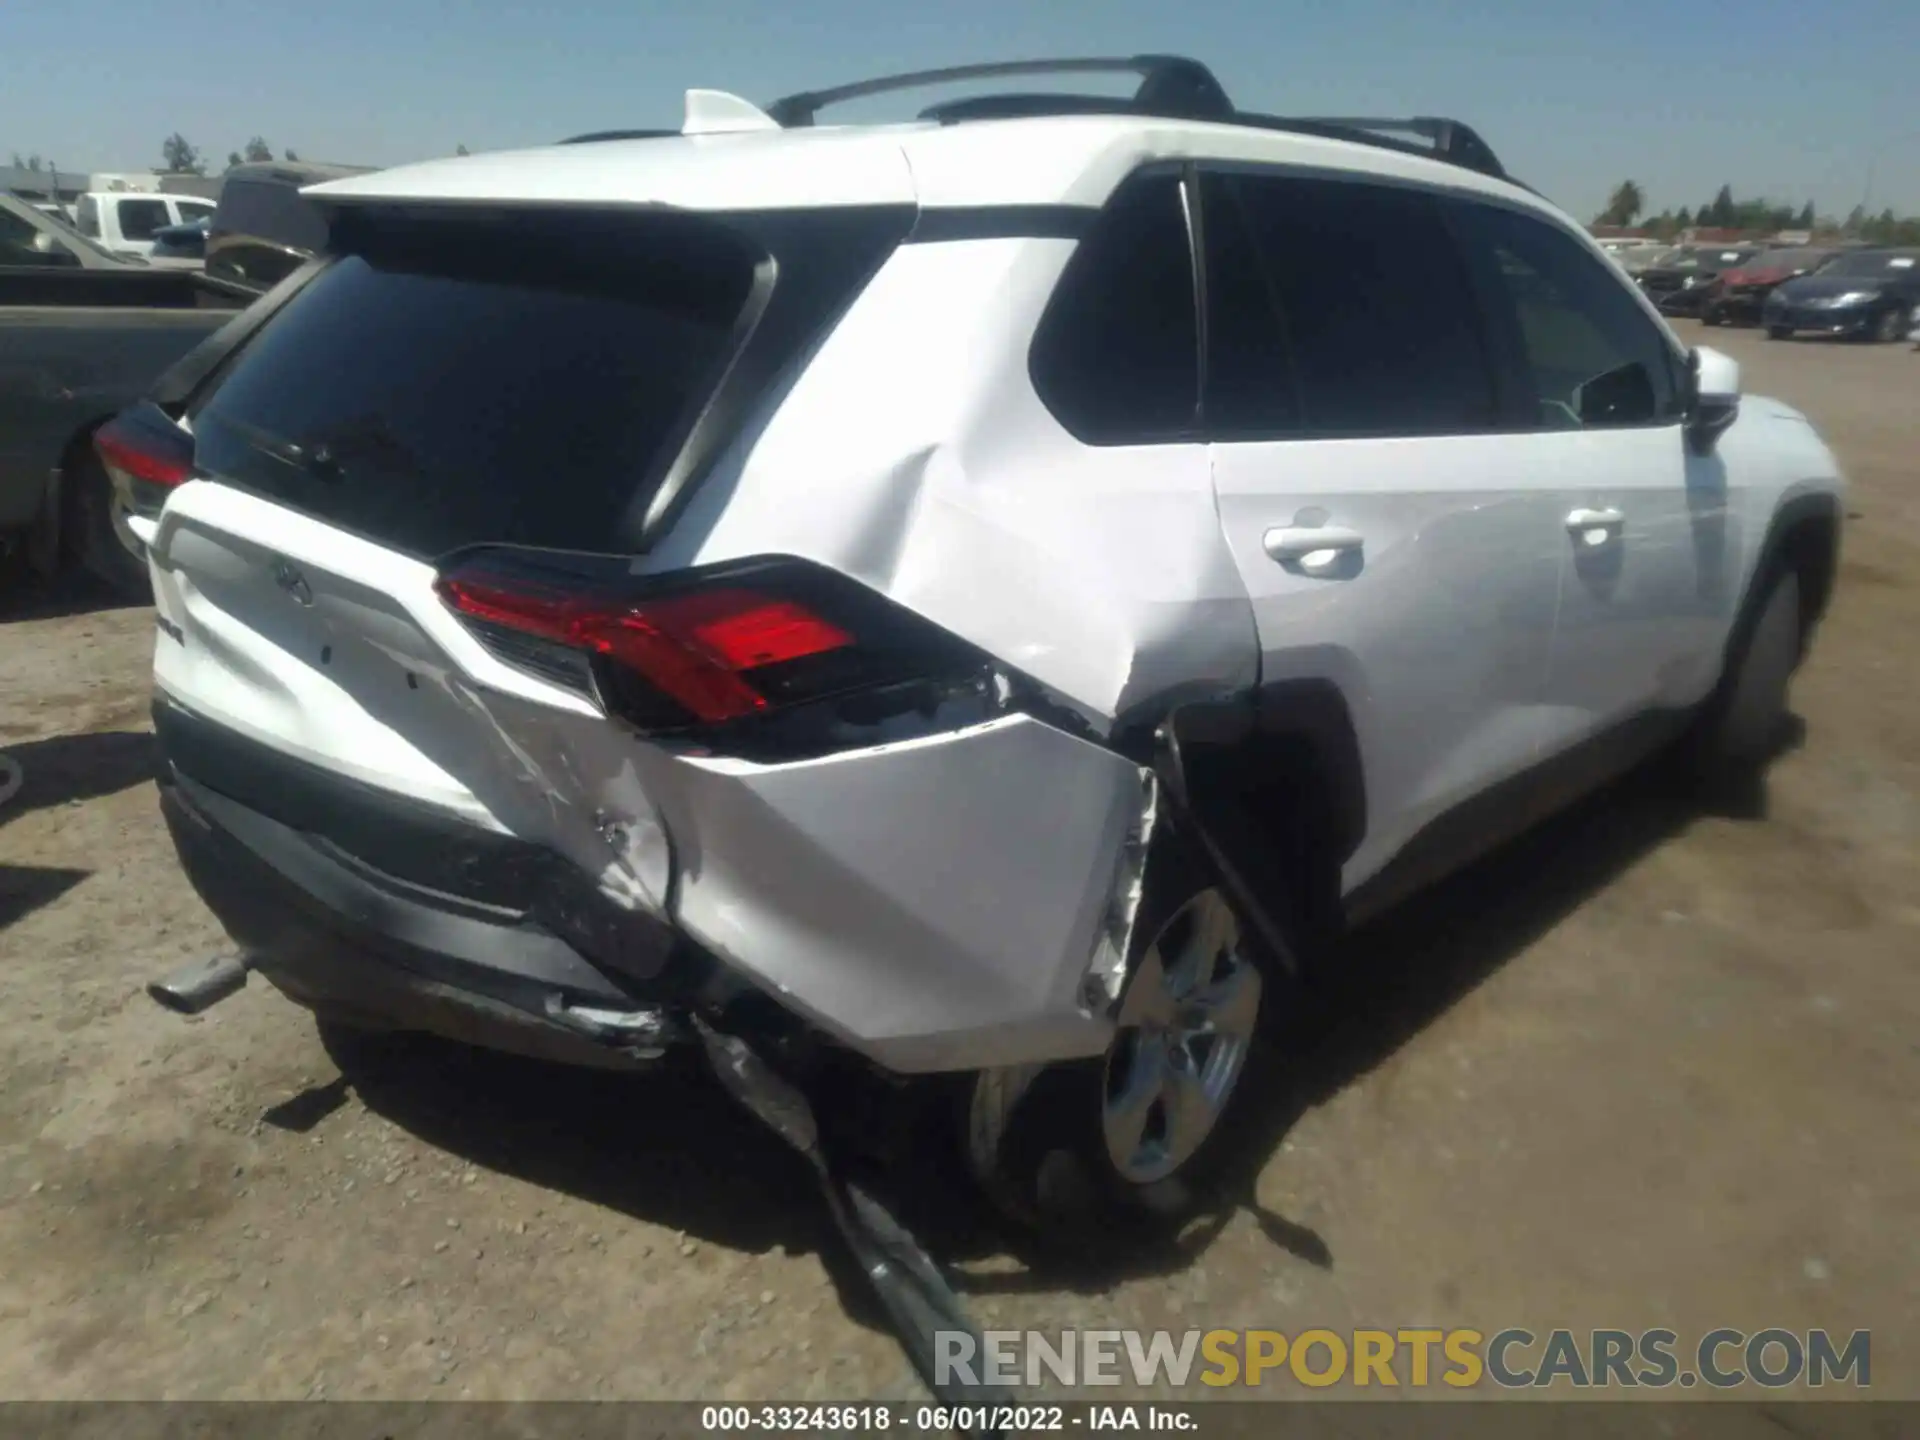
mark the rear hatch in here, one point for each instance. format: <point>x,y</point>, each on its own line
<point>535,384</point>
<point>518,379</point>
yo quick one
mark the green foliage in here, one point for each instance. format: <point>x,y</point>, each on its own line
<point>181,158</point>
<point>1625,205</point>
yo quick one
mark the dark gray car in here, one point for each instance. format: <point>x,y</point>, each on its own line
<point>264,230</point>
<point>82,334</point>
<point>1863,295</point>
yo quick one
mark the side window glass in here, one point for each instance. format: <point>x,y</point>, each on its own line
<point>1251,387</point>
<point>89,217</point>
<point>1592,357</point>
<point>140,219</point>
<point>1116,356</point>
<point>1362,318</point>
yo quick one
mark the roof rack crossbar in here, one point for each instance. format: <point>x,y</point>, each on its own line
<point>1164,79</point>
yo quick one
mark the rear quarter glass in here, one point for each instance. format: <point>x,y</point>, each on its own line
<point>461,379</point>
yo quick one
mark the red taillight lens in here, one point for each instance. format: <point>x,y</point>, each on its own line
<point>144,444</point>
<point>699,648</point>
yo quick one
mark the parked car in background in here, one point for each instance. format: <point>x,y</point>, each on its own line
<point>82,333</point>
<point>182,247</point>
<point>1869,294</point>
<point>1742,292</point>
<point>1633,256</point>
<point>125,222</point>
<point>263,230</point>
<point>1682,279</point>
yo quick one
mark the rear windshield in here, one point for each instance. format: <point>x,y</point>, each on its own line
<point>270,210</point>
<point>490,378</point>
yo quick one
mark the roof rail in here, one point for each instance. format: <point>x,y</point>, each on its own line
<point>1452,139</point>
<point>1169,85</point>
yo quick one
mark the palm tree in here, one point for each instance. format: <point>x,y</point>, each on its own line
<point>1625,205</point>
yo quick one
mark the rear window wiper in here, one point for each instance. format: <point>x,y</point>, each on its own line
<point>326,457</point>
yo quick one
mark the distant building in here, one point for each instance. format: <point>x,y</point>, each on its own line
<point>61,186</point>
<point>207,187</point>
<point>135,182</point>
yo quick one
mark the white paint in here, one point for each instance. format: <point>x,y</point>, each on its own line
<point>1482,602</point>
<point>715,112</point>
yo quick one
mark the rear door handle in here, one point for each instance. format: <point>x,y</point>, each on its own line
<point>1314,549</point>
<point>1595,527</point>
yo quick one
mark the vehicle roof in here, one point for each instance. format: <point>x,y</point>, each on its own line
<point>1051,160</point>
<point>290,172</point>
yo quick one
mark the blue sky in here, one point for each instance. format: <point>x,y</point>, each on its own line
<point>1783,97</point>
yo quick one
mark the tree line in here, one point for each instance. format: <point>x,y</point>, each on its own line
<point>1627,205</point>
<point>183,158</point>
<point>180,156</point>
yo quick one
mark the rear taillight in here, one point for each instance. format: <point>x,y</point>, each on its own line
<point>705,648</point>
<point>146,454</point>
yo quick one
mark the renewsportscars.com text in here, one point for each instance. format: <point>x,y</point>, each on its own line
<point>1507,1359</point>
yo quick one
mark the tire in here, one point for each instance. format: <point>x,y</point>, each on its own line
<point>1779,332</point>
<point>1709,316</point>
<point>1738,730</point>
<point>1891,328</point>
<point>91,537</point>
<point>1129,1146</point>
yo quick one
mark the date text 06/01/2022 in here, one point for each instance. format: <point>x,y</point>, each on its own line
<point>941,1419</point>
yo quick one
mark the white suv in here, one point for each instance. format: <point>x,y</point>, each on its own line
<point>988,595</point>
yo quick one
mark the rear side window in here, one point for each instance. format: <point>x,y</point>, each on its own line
<point>142,219</point>
<point>501,378</point>
<point>1591,356</point>
<point>1116,356</point>
<point>1337,308</point>
<point>270,210</point>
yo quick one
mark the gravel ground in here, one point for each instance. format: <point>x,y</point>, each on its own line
<point>1649,1067</point>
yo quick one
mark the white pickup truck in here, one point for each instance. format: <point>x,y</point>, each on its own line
<point>125,222</point>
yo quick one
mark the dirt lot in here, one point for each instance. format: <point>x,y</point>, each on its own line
<point>1652,1068</point>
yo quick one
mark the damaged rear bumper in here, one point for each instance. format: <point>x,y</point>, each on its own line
<point>354,942</point>
<point>958,902</point>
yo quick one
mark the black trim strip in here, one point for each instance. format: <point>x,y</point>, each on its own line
<point>1002,222</point>
<point>1196,217</point>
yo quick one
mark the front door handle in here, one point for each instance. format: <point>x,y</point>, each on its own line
<point>1595,527</point>
<point>1314,549</point>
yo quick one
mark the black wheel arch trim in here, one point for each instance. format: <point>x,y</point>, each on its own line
<point>1300,730</point>
<point>1808,514</point>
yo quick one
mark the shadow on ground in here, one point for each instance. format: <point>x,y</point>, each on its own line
<point>72,592</point>
<point>25,888</point>
<point>68,769</point>
<point>671,1148</point>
